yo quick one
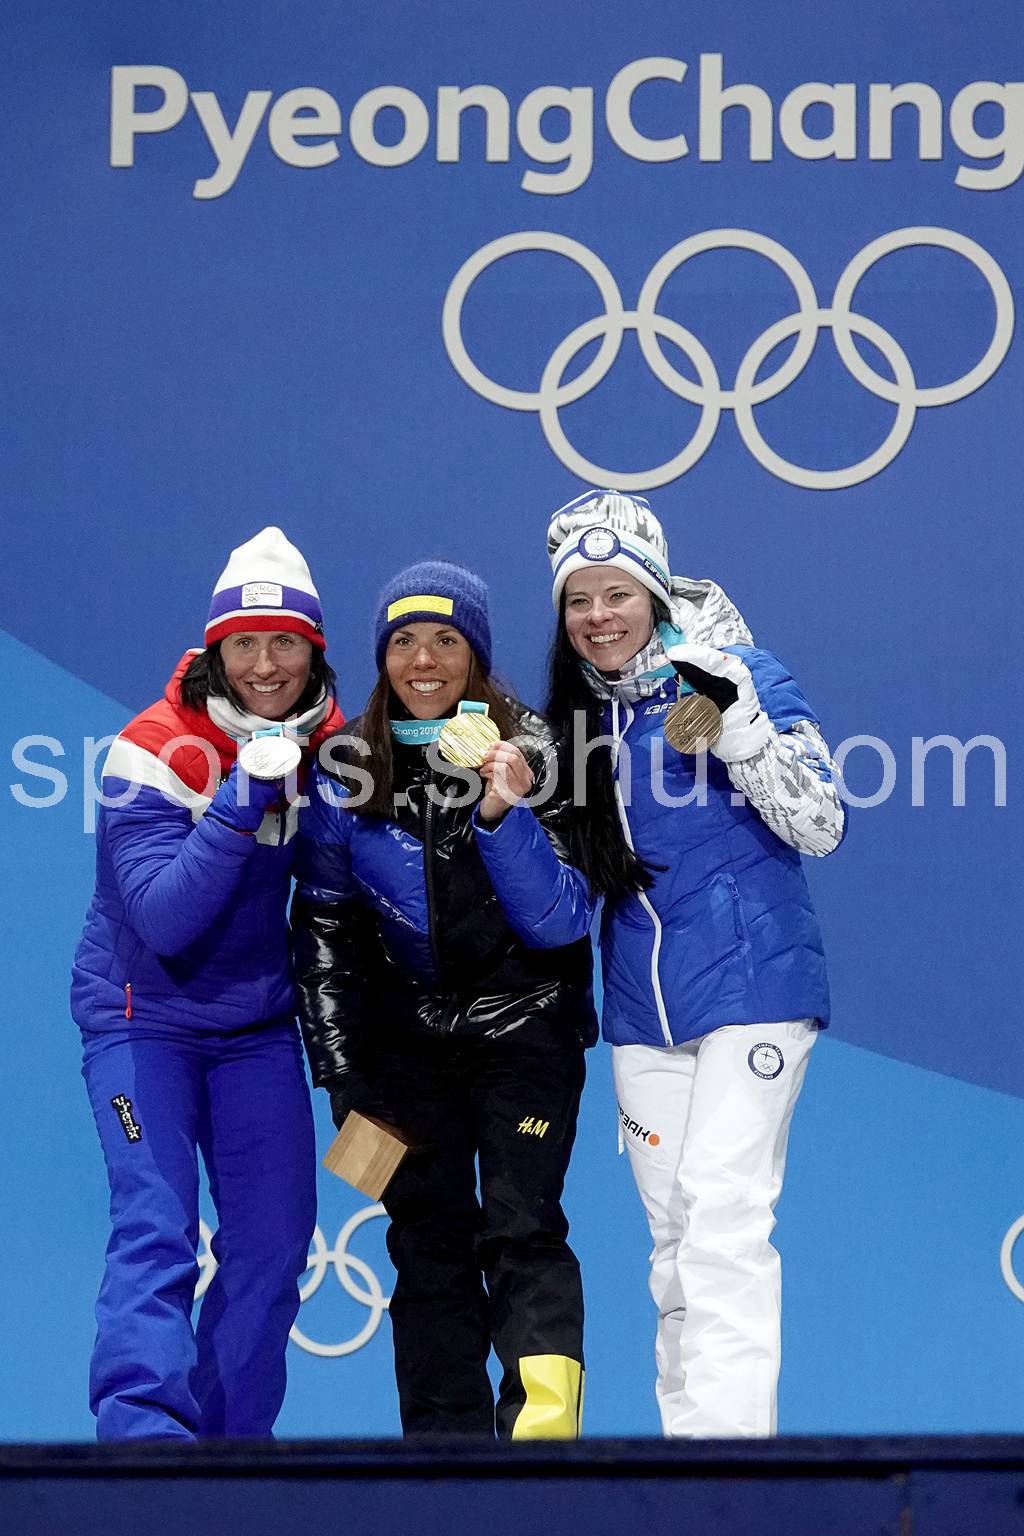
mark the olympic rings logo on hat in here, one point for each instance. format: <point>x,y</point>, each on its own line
<point>599,544</point>
<point>747,391</point>
<point>321,1258</point>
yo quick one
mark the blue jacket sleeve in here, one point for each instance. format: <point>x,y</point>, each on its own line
<point>782,698</point>
<point>545,898</point>
<point>175,878</point>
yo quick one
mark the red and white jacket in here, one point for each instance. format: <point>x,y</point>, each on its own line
<point>187,928</point>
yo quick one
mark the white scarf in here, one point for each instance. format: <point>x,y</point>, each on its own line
<point>240,725</point>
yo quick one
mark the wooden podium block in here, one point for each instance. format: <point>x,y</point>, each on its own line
<point>365,1153</point>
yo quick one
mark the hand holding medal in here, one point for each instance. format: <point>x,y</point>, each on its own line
<point>723,713</point>
<point>470,739</point>
<point>693,724</point>
<point>270,754</point>
<point>468,736</point>
<point>508,777</point>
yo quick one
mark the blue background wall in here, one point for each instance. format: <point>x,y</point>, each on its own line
<point>179,371</point>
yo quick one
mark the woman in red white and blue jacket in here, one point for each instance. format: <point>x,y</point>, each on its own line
<point>183,991</point>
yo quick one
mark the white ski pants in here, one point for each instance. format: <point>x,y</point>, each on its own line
<point>706,1125</point>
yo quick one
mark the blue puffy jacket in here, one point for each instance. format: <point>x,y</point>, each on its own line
<point>727,933</point>
<point>428,923</point>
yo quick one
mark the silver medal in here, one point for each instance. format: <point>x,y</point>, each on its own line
<point>270,757</point>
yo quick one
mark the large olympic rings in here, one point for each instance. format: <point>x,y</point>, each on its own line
<point>747,391</point>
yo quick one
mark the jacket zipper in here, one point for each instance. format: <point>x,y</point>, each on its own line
<point>737,911</point>
<point>645,902</point>
<point>127,999</point>
<point>428,875</point>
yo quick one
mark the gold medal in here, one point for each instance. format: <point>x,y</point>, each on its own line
<point>693,724</point>
<point>466,739</point>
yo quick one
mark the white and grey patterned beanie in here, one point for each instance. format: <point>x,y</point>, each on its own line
<point>609,528</point>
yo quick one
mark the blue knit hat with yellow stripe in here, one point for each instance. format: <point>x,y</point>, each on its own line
<point>609,528</point>
<point>435,592</point>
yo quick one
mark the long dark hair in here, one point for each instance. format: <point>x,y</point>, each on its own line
<point>376,732</point>
<point>597,844</point>
<point>205,675</point>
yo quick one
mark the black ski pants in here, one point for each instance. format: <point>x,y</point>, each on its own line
<point>484,1261</point>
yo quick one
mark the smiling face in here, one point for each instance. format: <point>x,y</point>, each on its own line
<point>268,672</point>
<point>428,668</point>
<point>609,616</point>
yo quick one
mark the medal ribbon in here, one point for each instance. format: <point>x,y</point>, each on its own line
<point>418,733</point>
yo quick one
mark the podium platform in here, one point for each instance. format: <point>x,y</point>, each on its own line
<point>907,1486</point>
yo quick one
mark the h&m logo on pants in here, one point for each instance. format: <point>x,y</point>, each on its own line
<point>130,1125</point>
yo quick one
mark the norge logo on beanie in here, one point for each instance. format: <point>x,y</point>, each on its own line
<point>262,594</point>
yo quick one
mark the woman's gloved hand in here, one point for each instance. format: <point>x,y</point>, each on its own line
<point>350,1090</point>
<point>726,681</point>
<point>241,802</point>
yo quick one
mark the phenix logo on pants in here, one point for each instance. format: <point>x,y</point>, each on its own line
<point>634,1128</point>
<point>123,1105</point>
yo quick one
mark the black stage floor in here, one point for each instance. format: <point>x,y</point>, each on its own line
<point>794,1486</point>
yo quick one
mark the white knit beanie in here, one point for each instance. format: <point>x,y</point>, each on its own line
<point>266,585</point>
<point>608,528</point>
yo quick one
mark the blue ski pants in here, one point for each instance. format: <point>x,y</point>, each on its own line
<point>241,1100</point>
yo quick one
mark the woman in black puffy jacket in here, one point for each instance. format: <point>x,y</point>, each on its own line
<point>444,968</point>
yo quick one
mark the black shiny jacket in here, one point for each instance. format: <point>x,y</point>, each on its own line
<point>398,930</point>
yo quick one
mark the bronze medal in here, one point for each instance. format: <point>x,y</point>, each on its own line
<point>466,739</point>
<point>693,724</point>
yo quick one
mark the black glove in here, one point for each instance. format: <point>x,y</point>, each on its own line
<point>720,690</point>
<point>351,1090</point>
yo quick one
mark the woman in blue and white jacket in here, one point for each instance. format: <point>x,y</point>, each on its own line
<point>714,974</point>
